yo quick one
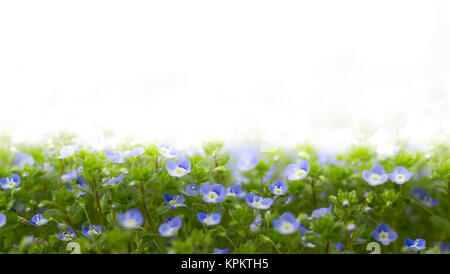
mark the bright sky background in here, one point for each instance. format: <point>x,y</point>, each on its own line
<point>280,71</point>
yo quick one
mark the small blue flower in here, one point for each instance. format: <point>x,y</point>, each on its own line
<point>134,152</point>
<point>170,226</point>
<point>192,190</point>
<point>400,175</point>
<point>257,202</point>
<point>116,157</point>
<point>91,230</point>
<point>209,219</point>
<point>2,219</point>
<point>113,181</point>
<point>235,191</point>
<point>424,197</point>
<point>174,201</point>
<point>246,158</point>
<point>80,181</point>
<point>220,251</point>
<point>66,236</point>
<point>295,172</point>
<point>167,151</point>
<point>67,151</point>
<point>339,246</point>
<point>384,234</point>
<point>213,194</point>
<point>415,245</point>
<point>69,176</point>
<point>23,159</point>
<point>178,168</point>
<point>319,212</point>
<point>376,175</point>
<point>130,219</point>
<point>279,187</point>
<point>38,220</point>
<point>10,182</point>
<point>286,224</point>
<point>256,223</point>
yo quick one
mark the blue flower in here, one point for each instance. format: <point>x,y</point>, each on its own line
<point>38,220</point>
<point>167,150</point>
<point>319,212</point>
<point>91,230</point>
<point>295,172</point>
<point>400,175</point>
<point>213,194</point>
<point>130,219</point>
<point>170,226</point>
<point>64,235</point>
<point>235,191</point>
<point>257,202</point>
<point>69,176</point>
<point>269,174</point>
<point>67,151</point>
<point>339,246</point>
<point>415,245</point>
<point>246,158</point>
<point>375,176</point>
<point>10,182</point>
<point>384,234</point>
<point>174,201</point>
<point>220,251</point>
<point>192,190</point>
<point>2,219</point>
<point>116,157</point>
<point>279,187</point>
<point>286,224</point>
<point>178,168</point>
<point>209,219</point>
<point>256,223</point>
<point>424,197</point>
<point>80,181</point>
<point>134,152</point>
<point>113,181</point>
<point>23,159</point>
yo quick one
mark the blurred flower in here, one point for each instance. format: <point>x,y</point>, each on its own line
<point>192,190</point>
<point>179,168</point>
<point>69,176</point>
<point>170,226</point>
<point>134,152</point>
<point>257,202</point>
<point>220,251</point>
<point>167,150</point>
<point>279,187</point>
<point>319,212</point>
<point>384,234</point>
<point>213,194</point>
<point>116,157</point>
<point>174,201</point>
<point>112,181</point>
<point>245,158</point>
<point>400,175</point>
<point>130,219</point>
<point>424,197</point>
<point>375,176</point>
<point>38,220</point>
<point>415,245</point>
<point>351,227</point>
<point>385,151</point>
<point>235,191</point>
<point>295,172</point>
<point>269,175</point>
<point>2,219</point>
<point>23,159</point>
<point>209,219</point>
<point>66,236</point>
<point>67,151</point>
<point>256,223</point>
<point>286,224</point>
<point>10,182</point>
<point>90,230</point>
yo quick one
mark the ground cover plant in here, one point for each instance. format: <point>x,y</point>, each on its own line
<point>66,197</point>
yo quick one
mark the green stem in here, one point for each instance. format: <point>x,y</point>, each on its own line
<point>97,200</point>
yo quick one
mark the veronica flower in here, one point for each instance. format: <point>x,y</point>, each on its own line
<point>134,152</point>
<point>220,251</point>
<point>424,197</point>
<point>209,219</point>
<point>116,157</point>
<point>66,236</point>
<point>415,245</point>
<point>170,226</point>
<point>257,202</point>
<point>130,219</point>
<point>235,191</point>
<point>2,219</point>
<point>385,150</point>
<point>69,176</point>
<point>384,234</point>
<point>10,182</point>
<point>319,212</point>
<point>286,224</point>
<point>67,151</point>
<point>174,201</point>
<point>113,181</point>
<point>295,172</point>
<point>192,190</point>
<point>213,194</point>
<point>246,158</point>
<point>91,230</point>
<point>167,151</point>
<point>38,220</point>
<point>269,175</point>
<point>279,187</point>
<point>178,168</point>
<point>23,159</point>
<point>80,181</point>
<point>376,175</point>
<point>400,175</point>
<point>339,246</point>
<point>256,223</point>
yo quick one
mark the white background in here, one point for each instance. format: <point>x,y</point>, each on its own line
<point>277,71</point>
